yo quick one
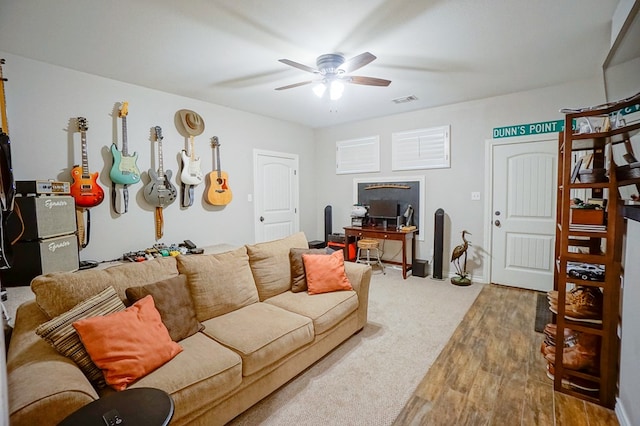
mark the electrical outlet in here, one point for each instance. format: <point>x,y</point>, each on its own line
<point>475,196</point>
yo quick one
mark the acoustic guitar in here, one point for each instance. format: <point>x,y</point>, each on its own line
<point>191,173</point>
<point>218,193</point>
<point>7,183</point>
<point>160,192</point>
<point>85,188</point>
<point>124,170</point>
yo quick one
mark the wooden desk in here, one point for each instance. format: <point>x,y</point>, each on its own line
<point>380,233</point>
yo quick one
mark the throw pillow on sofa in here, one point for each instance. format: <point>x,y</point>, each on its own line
<point>270,264</point>
<point>325,273</point>
<point>172,299</point>
<point>60,334</point>
<point>128,345</point>
<point>219,283</point>
<point>298,275</point>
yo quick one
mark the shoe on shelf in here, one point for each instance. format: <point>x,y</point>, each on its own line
<point>573,382</point>
<point>581,304</point>
<point>582,355</point>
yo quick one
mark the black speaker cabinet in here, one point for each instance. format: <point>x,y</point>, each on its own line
<point>32,258</point>
<point>419,268</point>
<point>43,217</point>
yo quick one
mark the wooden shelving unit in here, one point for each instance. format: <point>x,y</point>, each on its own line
<point>594,247</point>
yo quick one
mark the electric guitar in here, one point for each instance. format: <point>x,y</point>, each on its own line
<point>160,192</point>
<point>124,170</point>
<point>219,193</point>
<point>191,173</point>
<point>85,188</point>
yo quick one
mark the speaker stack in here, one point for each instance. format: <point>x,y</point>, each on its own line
<point>45,221</point>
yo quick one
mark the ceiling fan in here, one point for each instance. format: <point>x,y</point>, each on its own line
<point>332,71</point>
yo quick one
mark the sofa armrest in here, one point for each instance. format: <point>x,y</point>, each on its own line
<point>44,386</point>
<point>359,275</point>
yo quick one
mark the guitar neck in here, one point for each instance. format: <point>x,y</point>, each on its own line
<point>4,125</point>
<point>192,150</point>
<point>218,160</point>
<point>160,160</point>
<point>85,161</point>
<point>125,148</point>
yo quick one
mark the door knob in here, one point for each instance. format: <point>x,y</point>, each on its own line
<point>497,223</point>
<point>261,219</point>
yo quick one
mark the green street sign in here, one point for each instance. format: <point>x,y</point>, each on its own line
<point>553,126</point>
<point>528,129</point>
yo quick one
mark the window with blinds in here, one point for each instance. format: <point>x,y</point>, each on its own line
<point>421,149</point>
<point>358,155</point>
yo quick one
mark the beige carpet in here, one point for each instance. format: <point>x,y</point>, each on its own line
<point>369,378</point>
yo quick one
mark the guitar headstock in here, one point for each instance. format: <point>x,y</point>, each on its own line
<point>214,142</point>
<point>124,109</point>
<point>82,124</point>
<point>158,132</point>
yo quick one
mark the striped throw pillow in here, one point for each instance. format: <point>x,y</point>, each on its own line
<point>60,334</point>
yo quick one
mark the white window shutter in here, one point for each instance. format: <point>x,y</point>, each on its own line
<point>358,155</point>
<point>421,149</point>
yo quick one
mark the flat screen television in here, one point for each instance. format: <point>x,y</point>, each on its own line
<point>383,209</point>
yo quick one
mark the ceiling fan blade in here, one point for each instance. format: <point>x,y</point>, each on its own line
<point>368,81</point>
<point>291,86</point>
<point>357,62</point>
<point>298,65</point>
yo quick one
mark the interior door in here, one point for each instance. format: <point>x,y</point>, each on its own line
<point>523,214</point>
<point>276,195</point>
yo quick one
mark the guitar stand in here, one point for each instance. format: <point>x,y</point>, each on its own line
<point>187,195</point>
<point>114,196</point>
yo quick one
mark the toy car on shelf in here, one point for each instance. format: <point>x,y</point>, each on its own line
<point>585,271</point>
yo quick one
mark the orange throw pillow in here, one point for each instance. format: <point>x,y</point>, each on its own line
<point>129,344</point>
<point>325,273</point>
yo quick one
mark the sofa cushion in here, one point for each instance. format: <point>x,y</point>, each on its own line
<point>326,310</point>
<point>202,373</point>
<point>173,301</point>
<point>261,333</point>
<point>60,334</point>
<point>298,278</point>
<point>60,291</point>
<point>129,344</point>
<point>270,264</point>
<point>325,273</point>
<point>219,283</point>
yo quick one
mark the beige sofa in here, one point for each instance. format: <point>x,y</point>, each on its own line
<point>258,333</point>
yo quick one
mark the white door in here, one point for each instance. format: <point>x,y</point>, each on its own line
<point>275,186</point>
<point>523,214</point>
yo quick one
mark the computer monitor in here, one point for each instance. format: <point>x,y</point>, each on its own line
<point>383,209</point>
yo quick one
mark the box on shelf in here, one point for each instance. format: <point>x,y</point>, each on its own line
<point>587,216</point>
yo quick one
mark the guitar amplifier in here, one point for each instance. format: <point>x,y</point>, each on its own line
<point>43,217</point>
<point>33,258</point>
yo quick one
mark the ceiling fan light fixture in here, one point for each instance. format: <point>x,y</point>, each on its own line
<point>319,89</point>
<point>335,90</point>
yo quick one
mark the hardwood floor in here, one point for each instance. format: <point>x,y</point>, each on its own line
<point>491,372</point>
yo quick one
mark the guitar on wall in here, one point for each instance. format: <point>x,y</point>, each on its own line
<point>124,170</point>
<point>159,192</point>
<point>85,188</point>
<point>191,174</point>
<point>219,193</point>
<point>7,183</point>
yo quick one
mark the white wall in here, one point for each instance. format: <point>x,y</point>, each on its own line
<point>471,126</point>
<point>41,101</point>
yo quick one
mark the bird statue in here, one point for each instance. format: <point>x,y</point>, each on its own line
<point>458,251</point>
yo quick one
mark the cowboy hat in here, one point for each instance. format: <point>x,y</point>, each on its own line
<point>190,123</point>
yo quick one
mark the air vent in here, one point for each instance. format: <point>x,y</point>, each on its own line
<point>404,99</point>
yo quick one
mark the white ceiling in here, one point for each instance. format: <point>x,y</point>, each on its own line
<point>226,51</point>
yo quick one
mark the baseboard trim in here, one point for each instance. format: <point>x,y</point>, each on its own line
<point>623,419</point>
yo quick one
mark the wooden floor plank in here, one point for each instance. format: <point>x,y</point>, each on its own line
<point>491,372</point>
